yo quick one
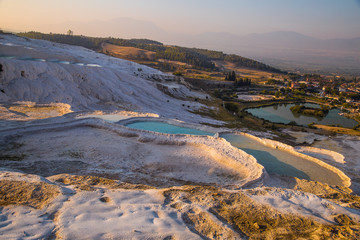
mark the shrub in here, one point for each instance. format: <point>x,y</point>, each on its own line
<point>231,107</point>
<point>178,74</point>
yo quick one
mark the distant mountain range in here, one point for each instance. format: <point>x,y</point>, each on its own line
<point>284,49</point>
<point>289,50</point>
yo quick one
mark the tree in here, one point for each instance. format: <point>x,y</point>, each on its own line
<point>231,107</point>
<point>242,82</point>
<point>278,94</point>
<point>70,33</point>
<point>233,76</point>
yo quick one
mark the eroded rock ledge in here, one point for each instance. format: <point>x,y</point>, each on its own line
<point>120,209</point>
<point>97,147</point>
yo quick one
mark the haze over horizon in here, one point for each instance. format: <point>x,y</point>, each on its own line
<point>292,35</point>
<point>324,19</point>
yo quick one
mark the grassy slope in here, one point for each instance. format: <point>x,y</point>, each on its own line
<point>130,53</point>
<point>148,58</point>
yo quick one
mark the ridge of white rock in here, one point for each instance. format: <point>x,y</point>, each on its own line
<point>242,166</point>
<point>313,151</point>
<point>103,83</point>
<point>305,204</point>
<point>111,213</point>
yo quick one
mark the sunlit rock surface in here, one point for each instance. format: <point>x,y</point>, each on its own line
<point>66,174</point>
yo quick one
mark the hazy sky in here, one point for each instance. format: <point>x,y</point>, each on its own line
<point>318,18</point>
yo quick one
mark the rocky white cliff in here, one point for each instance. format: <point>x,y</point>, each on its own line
<point>45,72</point>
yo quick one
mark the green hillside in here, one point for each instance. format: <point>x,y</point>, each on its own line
<point>198,58</point>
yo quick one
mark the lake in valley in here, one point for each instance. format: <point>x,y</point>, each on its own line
<point>281,113</point>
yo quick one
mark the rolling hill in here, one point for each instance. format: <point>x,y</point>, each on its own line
<point>198,58</point>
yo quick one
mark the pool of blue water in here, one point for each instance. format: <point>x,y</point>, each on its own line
<point>275,161</point>
<point>166,128</point>
<point>281,113</point>
<point>50,60</point>
<point>283,163</point>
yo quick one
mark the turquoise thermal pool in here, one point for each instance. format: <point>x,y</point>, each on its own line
<point>275,161</point>
<point>162,127</point>
<point>281,162</point>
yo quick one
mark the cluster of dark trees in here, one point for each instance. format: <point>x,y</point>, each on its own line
<point>94,42</point>
<point>88,42</point>
<point>272,81</point>
<point>242,82</point>
<point>313,76</point>
<point>164,66</point>
<point>246,62</point>
<point>238,81</point>
<point>237,60</point>
<point>185,55</point>
<point>293,76</point>
<point>230,76</point>
<point>198,58</point>
<point>322,112</point>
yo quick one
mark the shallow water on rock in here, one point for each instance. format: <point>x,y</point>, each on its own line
<point>281,113</point>
<point>275,161</point>
<point>107,117</point>
<point>281,162</point>
<point>162,127</point>
<point>50,60</point>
